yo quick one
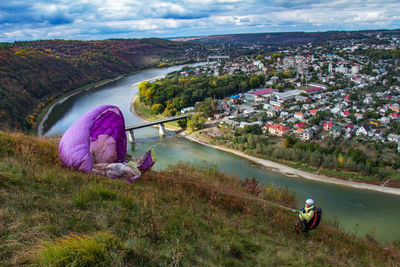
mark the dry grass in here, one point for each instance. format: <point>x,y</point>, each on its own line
<point>182,216</point>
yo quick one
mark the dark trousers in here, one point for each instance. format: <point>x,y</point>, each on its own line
<point>305,227</point>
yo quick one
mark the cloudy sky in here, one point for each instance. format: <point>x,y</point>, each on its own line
<point>103,19</point>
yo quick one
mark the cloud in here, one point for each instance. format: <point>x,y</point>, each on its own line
<point>101,19</point>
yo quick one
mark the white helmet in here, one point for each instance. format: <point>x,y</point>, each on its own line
<point>310,202</point>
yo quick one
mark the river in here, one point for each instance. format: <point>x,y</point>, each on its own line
<point>357,211</point>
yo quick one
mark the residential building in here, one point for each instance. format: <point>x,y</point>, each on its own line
<point>286,96</point>
<point>335,131</point>
<point>327,126</point>
<point>307,134</point>
<point>299,115</point>
<point>277,129</point>
<point>363,130</point>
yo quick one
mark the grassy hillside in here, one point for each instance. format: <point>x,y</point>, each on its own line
<point>33,73</point>
<point>50,215</point>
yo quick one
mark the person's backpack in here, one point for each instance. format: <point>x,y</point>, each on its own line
<point>317,218</point>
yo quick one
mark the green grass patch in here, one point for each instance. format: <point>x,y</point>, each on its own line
<point>96,192</point>
<point>100,249</point>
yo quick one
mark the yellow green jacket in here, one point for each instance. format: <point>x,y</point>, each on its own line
<point>307,214</point>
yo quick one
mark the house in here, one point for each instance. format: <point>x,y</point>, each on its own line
<point>394,116</point>
<point>230,122</point>
<point>314,112</point>
<point>299,115</point>
<point>335,131</point>
<point>286,96</point>
<point>358,116</point>
<point>291,120</point>
<point>322,86</point>
<point>299,125</point>
<point>284,114</point>
<point>378,133</point>
<point>374,122</point>
<point>394,138</point>
<point>271,113</point>
<point>301,98</point>
<point>275,103</point>
<point>368,100</point>
<point>363,130</point>
<point>277,129</point>
<point>268,106</point>
<point>315,128</point>
<point>395,107</point>
<point>384,120</point>
<point>349,128</point>
<point>327,126</point>
<point>312,91</point>
<point>247,109</point>
<point>307,134</point>
<point>259,94</point>
<point>345,113</point>
<point>371,132</point>
<point>335,110</point>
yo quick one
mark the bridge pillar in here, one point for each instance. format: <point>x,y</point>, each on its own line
<point>131,136</point>
<point>162,129</point>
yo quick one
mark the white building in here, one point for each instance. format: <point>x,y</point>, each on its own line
<point>307,134</point>
<point>286,96</point>
<point>394,138</point>
<point>363,130</point>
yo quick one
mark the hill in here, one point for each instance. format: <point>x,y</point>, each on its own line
<point>51,215</point>
<point>276,39</point>
<point>33,73</point>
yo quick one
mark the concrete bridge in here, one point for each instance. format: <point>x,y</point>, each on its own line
<point>160,122</point>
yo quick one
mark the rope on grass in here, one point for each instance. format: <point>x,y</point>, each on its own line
<point>234,192</point>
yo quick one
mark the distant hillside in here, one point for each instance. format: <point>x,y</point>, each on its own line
<point>275,39</point>
<point>31,72</point>
<point>183,216</point>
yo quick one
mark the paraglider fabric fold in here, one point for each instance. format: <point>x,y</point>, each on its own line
<point>106,122</point>
<point>96,143</point>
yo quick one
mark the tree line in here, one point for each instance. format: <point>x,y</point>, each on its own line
<point>333,157</point>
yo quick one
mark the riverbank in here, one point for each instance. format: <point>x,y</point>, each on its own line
<point>38,127</point>
<point>293,172</point>
<point>62,99</point>
<point>282,168</point>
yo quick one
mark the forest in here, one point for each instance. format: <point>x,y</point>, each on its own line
<point>34,73</point>
<point>171,94</point>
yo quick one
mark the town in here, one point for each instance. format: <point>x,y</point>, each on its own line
<point>346,89</point>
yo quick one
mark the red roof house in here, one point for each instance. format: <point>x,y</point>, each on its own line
<point>277,129</point>
<point>327,126</point>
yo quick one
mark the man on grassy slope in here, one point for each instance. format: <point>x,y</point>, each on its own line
<point>310,217</point>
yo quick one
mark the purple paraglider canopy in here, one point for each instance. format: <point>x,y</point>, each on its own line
<point>98,139</point>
